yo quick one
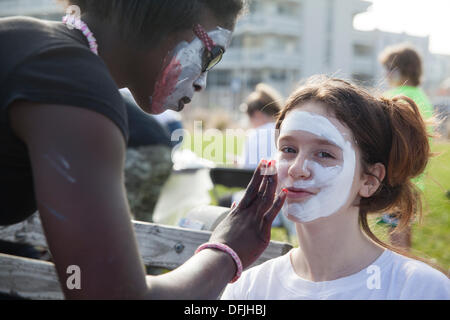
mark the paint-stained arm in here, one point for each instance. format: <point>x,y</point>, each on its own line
<point>77,158</point>
<point>246,229</point>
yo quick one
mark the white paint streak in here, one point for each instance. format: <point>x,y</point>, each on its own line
<point>54,212</point>
<point>181,81</point>
<point>61,166</point>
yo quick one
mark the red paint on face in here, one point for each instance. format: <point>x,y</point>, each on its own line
<point>165,85</point>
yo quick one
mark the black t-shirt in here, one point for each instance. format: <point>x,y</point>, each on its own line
<point>145,130</point>
<point>43,61</point>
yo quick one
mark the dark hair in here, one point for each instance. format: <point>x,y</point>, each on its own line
<point>150,21</point>
<point>406,60</point>
<point>264,99</point>
<point>387,131</point>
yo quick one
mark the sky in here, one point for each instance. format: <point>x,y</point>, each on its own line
<point>415,17</point>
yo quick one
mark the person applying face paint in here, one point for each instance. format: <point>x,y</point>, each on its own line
<point>63,132</point>
<point>344,154</point>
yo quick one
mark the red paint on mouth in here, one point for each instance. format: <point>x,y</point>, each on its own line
<point>295,193</point>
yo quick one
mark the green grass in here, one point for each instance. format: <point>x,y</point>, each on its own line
<point>430,238</point>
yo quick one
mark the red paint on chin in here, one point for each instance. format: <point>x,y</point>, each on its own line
<point>165,85</point>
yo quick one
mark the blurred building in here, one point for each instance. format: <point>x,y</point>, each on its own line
<point>367,46</point>
<point>281,42</point>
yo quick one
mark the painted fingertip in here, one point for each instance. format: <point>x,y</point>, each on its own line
<point>233,205</point>
<point>285,190</point>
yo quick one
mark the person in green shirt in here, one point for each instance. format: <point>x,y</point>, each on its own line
<point>403,66</point>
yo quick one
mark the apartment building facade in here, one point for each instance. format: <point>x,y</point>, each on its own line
<point>282,42</point>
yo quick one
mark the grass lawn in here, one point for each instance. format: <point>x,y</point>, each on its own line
<point>430,238</point>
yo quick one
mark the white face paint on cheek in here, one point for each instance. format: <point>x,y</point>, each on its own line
<point>189,57</point>
<point>334,183</point>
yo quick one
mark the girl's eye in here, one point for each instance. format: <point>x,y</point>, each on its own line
<point>325,155</point>
<point>288,150</point>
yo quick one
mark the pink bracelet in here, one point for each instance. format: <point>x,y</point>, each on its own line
<point>227,249</point>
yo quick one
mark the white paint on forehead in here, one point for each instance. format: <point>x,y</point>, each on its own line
<point>316,124</point>
<point>221,36</point>
<point>188,53</point>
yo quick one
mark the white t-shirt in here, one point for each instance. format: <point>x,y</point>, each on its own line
<point>391,276</point>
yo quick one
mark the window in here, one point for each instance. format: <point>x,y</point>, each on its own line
<point>254,79</point>
<point>278,75</point>
<point>362,50</point>
<point>219,78</point>
<point>288,9</point>
<point>236,42</point>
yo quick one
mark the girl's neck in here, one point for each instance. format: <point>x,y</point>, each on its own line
<point>333,248</point>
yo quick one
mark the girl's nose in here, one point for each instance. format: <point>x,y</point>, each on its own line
<point>200,83</point>
<point>299,168</point>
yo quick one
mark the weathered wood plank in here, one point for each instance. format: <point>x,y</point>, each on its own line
<point>28,278</point>
<point>160,245</point>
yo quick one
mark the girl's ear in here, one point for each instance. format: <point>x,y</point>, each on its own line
<point>372,179</point>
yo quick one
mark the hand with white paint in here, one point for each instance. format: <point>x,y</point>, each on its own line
<point>247,227</point>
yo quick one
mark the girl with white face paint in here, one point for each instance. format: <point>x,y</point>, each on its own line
<point>342,154</point>
<point>316,164</point>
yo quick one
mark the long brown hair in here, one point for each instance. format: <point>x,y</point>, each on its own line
<point>387,131</point>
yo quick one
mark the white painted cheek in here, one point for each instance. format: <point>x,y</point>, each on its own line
<point>320,176</point>
<point>191,69</point>
<point>332,196</point>
<point>282,169</point>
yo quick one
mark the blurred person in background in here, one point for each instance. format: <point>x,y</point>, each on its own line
<point>404,70</point>
<point>262,108</point>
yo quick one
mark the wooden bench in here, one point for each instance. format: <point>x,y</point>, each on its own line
<point>160,246</point>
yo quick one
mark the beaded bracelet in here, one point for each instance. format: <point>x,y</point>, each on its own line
<point>227,249</point>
